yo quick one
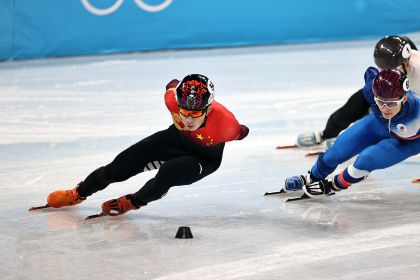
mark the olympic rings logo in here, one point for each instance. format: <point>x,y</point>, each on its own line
<point>106,11</point>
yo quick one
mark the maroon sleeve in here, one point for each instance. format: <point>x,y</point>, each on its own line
<point>172,84</point>
<point>243,132</point>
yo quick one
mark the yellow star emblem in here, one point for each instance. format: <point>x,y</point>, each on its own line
<point>199,136</point>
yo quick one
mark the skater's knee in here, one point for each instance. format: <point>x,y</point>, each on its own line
<point>208,167</point>
<point>367,162</point>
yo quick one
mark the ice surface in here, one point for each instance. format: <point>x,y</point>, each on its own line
<point>62,118</point>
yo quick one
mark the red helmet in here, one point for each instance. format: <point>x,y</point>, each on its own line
<point>195,92</point>
<point>390,83</point>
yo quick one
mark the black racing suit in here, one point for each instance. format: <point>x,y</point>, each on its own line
<point>181,162</point>
<point>354,109</point>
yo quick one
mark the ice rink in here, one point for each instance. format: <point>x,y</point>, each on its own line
<point>62,118</point>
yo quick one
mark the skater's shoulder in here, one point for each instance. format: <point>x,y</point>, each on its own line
<point>221,111</point>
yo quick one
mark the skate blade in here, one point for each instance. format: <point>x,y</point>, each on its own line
<point>313,153</point>
<point>272,193</point>
<point>95,216</point>
<point>286,147</point>
<point>289,196</point>
<point>39,207</point>
<point>305,196</point>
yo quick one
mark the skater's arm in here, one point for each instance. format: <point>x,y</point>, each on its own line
<point>243,132</point>
<point>172,84</point>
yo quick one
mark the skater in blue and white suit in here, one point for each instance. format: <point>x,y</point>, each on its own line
<point>385,137</point>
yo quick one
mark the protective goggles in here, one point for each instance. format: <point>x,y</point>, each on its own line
<point>192,113</point>
<point>390,104</point>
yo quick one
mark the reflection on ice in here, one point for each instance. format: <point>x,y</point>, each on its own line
<point>62,118</point>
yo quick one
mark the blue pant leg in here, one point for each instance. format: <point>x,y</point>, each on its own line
<point>364,133</point>
<point>386,153</point>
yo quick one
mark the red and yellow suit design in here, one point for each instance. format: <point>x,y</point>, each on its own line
<point>220,125</point>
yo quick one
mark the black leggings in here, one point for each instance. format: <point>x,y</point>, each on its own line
<point>180,162</point>
<point>354,109</point>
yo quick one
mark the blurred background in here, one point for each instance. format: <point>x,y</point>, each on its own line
<point>44,28</point>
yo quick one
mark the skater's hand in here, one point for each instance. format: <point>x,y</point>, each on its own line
<point>370,74</point>
<point>243,132</point>
<point>172,84</point>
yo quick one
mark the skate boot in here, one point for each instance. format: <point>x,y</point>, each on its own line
<point>322,187</point>
<point>115,207</point>
<point>62,198</point>
<point>311,139</point>
<point>296,183</point>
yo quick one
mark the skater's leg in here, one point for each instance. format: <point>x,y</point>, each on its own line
<point>354,109</point>
<point>181,171</point>
<point>147,154</point>
<point>384,154</point>
<point>348,144</point>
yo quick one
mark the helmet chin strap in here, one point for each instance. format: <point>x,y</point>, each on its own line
<point>404,69</point>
